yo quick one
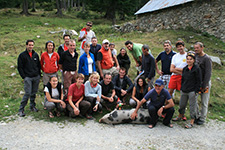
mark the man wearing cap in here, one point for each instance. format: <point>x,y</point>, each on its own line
<point>205,64</point>
<point>105,60</point>
<point>85,36</point>
<point>160,102</point>
<point>165,57</point>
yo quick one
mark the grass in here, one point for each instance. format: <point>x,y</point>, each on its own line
<point>15,30</point>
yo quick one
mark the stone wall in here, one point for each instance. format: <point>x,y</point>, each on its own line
<point>204,15</point>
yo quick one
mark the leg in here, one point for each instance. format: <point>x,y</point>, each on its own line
<point>84,107</point>
<point>169,114</point>
<point>92,101</point>
<point>132,103</point>
<point>27,89</point>
<point>153,114</point>
<point>67,81</point>
<point>183,102</point>
<point>193,105</point>
<point>50,106</point>
<point>35,84</point>
<point>70,109</point>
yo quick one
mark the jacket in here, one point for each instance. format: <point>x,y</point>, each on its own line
<point>49,65</point>
<point>83,64</point>
<point>107,60</point>
<point>126,81</point>
<point>27,66</point>
<point>59,85</point>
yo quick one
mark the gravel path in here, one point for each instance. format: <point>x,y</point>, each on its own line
<point>28,134</point>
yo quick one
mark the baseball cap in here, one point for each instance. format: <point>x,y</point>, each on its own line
<point>159,82</point>
<point>105,41</point>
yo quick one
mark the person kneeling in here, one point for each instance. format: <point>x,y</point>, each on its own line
<point>54,97</point>
<point>158,97</point>
<point>76,103</point>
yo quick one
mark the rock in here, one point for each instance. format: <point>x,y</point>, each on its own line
<point>13,74</point>
<point>22,92</point>
<point>216,60</point>
<point>12,66</point>
<point>38,36</point>
<point>73,32</point>
<point>6,53</point>
<point>46,24</point>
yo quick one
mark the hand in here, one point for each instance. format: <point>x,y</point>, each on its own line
<point>95,108</point>
<point>76,111</point>
<point>118,67</point>
<point>85,35</point>
<point>77,105</point>
<point>101,75</point>
<point>160,72</point>
<point>63,104</point>
<point>110,99</point>
<point>160,111</point>
<point>123,92</point>
<point>137,64</point>
<point>133,115</point>
<point>148,79</point>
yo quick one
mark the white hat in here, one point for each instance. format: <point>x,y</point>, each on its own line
<point>105,41</point>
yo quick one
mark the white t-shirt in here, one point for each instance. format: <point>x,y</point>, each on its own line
<point>90,34</point>
<point>179,61</point>
<point>114,52</point>
<point>55,92</point>
<point>90,64</point>
<point>50,55</point>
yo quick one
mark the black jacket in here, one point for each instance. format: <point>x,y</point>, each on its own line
<point>148,65</point>
<point>191,79</point>
<point>27,66</point>
<point>126,81</point>
<point>59,85</point>
<point>123,59</point>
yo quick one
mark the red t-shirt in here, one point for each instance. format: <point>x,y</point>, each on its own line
<point>75,92</point>
<point>65,47</point>
<point>30,53</point>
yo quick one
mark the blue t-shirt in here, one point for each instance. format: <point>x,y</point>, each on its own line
<point>166,61</point>
<point>157,100</point>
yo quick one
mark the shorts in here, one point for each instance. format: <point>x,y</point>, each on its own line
<point>175,82</point>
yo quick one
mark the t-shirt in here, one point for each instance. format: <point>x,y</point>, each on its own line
<point>75,92</point>
<point>179,61</point>
<point>65,47</point>
<point>136,51</point>
<point>114,52</point>
<point>106,88</point>
<point>90,34</point>
<point>68,61</point>
<point>94,50</point>
<point>166,61</point>
<point>90,64</point>
<point>55,92</point>
<point>50,55</point>
<point>157,100</point>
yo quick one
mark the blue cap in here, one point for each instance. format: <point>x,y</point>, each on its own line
<point>159,82</point>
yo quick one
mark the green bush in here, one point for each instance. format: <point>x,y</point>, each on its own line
<point>48,6</point>
<point>83,15</point>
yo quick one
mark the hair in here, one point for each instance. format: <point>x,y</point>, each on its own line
<point>66,35</point>
<point>80,75</point>
<point>71,41</point>
<point>111,44</point>
<point>123,69</point>
<point>167,42</point>
<point>145,46</point>
<point>86,44</point>
<point>191,54</point>
<point>122,49</point>
<point>128,42</point>
<point>200,44</point>
<point>94,37</point>
<point>144,82</point>
<point>89,22</point>
<point>52,76</point>
<point>107,74</point>
<point>29,41</point>
<point>94,74</point>
<point>46,44</point>
<point>179,43</point>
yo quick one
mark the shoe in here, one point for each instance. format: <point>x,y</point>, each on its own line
<point>34,109</point>
<point>51,115</point>
<point>200,122</point>
<point>89,117</point>
<point>21,114</point>
<point>196,121</point>
<point>188,126</point>
<point>151,126</point>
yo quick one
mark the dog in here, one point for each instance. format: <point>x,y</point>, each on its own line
<point>123,116</point>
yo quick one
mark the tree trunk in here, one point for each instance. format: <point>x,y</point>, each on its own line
<point>83,5</point>
<point>68,4</point>
<point>71,4</point>
<point>33,6</point>
<point>59,8</point>
<point>25,8</point>
<point>78,5</point>
<point>111,13</point>
<point>64,5</point>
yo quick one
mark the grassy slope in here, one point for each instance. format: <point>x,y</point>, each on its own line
<point>15,30</point>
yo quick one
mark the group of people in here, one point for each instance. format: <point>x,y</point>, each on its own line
<point>81,93</point>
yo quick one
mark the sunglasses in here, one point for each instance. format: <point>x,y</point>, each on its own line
<point>191,54</point>
<point>89,25</point>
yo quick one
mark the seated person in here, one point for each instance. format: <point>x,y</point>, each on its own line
<point>93,92</point>
<point>139,91</point>
<point>158,97</point>
<point>121,81</point>
<point>109,97</point>
<point>54,97</point>
<point>76,103</point>
<point>123,59</point>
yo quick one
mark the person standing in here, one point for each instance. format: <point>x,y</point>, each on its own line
<point>165,57</point>
<point>64,47</point>
<point>205,64</point>
<point>29,68</point>
<point>85,36</point>
<point>68,63</point>
<point>95,47</point>
<point>49,62</point>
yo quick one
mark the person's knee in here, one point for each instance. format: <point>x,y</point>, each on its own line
<point>171,110</point>
<point>151,109</point>
<point>132,103</point>
<point>50,106</point>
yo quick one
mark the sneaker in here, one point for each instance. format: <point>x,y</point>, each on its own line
<point>200,122</point>
<point>34,109</point>
<point>21,114</point>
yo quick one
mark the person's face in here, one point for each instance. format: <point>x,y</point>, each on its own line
<point>123,52</point>
<point>94,80</point>
<point>112,47</point>
<point>107,79</point>
<point>30,46</point>
<point>145,51</point>
<point>190,61</point>
<point>106,46</point>
<point>129,46</point>
<point>158,88</point>
<point>140,82</point>
<point>50,47</point>
<point>66,40</point>
<point>54,82</point>
<point>80,81</point>
<point>122,73</point>
<point>86,49</point>
<point>167,47</point>
<point>72,46</point>
<point>180,48</point>
<point>94,42</point>
<point>198,49</point>
<point>88,26</point>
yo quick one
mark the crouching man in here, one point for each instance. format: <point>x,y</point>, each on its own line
<point>160,103</point>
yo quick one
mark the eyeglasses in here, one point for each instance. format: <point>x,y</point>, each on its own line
<point>89,25</point>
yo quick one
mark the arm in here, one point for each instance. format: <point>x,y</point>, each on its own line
<point>169,104</point>
<point>157,69</point>
<point>129,82</point>
<point>133,95</point>
<point>134,114</point>
<point>20,66</point>
<point>82,36</point>
<point>116,61</point>
<point>175,70</point>
<point>42,62</point>
<point>208,71</point>
<point>152,70</point>
<point>75,109</point>
<point>81,62</point>
<point>137,64</point>
<point>99,68</point>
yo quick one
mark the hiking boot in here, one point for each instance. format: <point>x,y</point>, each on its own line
<point>21,114</point>
<point>200,122</point>
<point>34,109</point>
